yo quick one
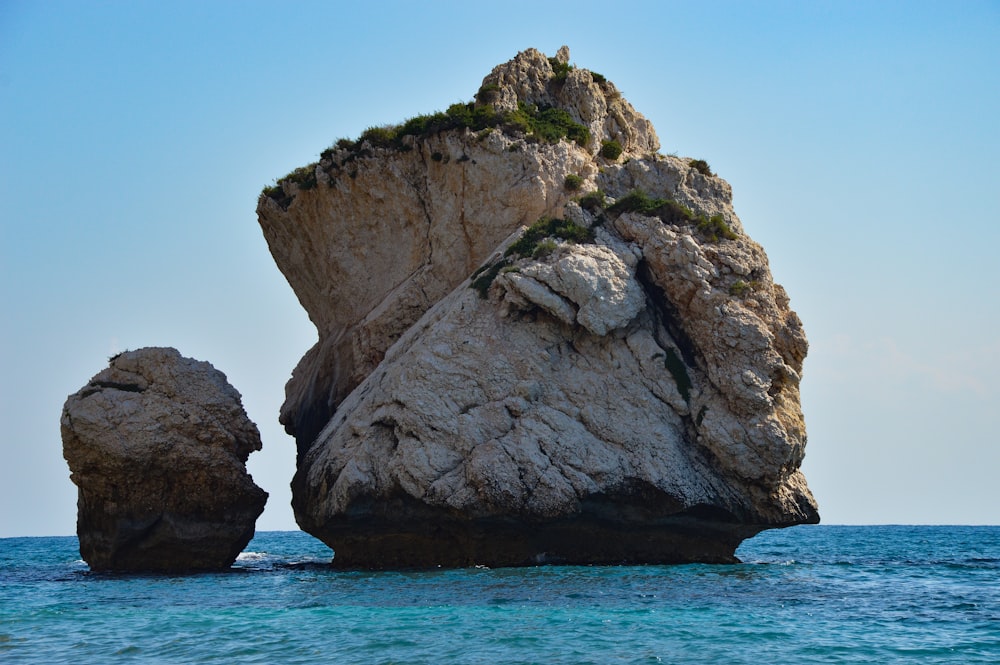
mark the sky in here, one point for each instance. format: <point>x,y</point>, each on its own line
<point>860,138</point>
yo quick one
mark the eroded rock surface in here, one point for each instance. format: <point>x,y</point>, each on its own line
<point>624,389</point>
<point>157,445</point>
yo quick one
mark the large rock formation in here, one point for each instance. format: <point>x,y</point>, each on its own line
<point>157,445</point>
<point>620,385</point>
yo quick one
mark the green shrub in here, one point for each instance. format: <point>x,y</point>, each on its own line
<point>592,201</point>
<point>549,124</point>
<point>715,228</point>
<point>739,288</point>
<point>380,137</point>
<point>573,182</point>
<point>460,115</point>
<point>420,125</point>
<point>611,149</point>
<point>637,201</point>
<point>598,78</point>
<point>701,166</point>
<point>672,212</point>
<point>304,177</point>
<point>544,248</point>
<point>483,278</point>
<point>537,241</point>
<point>548,227</point>
<point>341,144</point>
<point>488,92</point>
<point>561,69</point>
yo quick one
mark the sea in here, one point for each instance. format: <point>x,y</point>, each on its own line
<point>808,594</point>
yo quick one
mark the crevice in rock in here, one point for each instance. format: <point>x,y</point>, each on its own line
<point>96,386</point>
<point>666,314</point>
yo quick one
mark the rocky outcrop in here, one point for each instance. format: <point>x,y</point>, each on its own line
<point>621,384</point>
<point>157,445</point>
<point>371,236</point>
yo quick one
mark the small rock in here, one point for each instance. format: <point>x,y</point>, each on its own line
<point>157,445</point>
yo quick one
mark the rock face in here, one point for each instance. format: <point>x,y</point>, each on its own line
<point>620,385</point>
<point>157,445</point>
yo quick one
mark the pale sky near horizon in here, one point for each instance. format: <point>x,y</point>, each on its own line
<point>861,141</point>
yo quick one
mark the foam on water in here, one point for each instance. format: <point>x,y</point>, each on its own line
<point>805,595</point>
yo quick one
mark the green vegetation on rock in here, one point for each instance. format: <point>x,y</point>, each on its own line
<point>701,166</point>
<point>546,124</point>
<point>538,241</point>
<point>548,227</point>
<point>549,125</point>
<point>740,288</point>
<point>611,149</point>
<point>573,182</point>
<point>713,228</point>
<point>484,276</point>
<point>592,201</point>
<point>561,69</point>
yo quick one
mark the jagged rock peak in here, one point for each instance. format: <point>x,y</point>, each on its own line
<point>157,445</point>
<point>591,99</point>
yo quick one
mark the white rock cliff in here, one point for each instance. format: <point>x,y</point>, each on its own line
<point>620,385</point>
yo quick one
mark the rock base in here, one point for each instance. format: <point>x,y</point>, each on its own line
<point>444,543</point>
<point>610,530</point>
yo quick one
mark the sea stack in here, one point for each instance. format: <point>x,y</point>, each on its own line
<point>157,445</point>
<point>540,340</point>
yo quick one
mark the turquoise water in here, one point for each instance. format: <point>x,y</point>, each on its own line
<point>816,594</point>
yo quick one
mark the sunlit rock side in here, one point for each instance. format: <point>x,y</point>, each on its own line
<point>631,396</point>
<point>157,445</point>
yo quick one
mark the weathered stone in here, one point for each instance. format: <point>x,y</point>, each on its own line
<point>157,445</point>
<point>583,284</point>
<point>634,399</point>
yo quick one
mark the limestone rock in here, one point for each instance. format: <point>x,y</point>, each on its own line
<point>392,233</point>
<point>625,391</point>
<point>157,445</point>
<point>591,99</point>
<point>583,284</point>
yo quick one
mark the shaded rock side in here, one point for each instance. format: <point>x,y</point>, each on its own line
<point>623,390</point>
<point>157,445</point>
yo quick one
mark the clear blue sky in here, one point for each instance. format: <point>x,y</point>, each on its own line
<point>861,140</point>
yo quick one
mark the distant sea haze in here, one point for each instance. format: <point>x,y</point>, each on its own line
<point>809,594</point>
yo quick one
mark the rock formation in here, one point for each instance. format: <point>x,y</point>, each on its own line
<point>157,445</point>
<point>621,384</point>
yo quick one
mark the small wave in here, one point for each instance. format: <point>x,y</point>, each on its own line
<point>252,556</point>
<point>770,562</point>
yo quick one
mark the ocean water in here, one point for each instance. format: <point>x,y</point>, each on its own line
<point>812,594</point>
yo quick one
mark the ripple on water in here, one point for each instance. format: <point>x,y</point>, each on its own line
<point>806,595</point>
